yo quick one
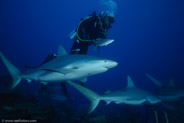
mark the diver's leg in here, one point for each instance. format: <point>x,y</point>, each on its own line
<point>64,89</point>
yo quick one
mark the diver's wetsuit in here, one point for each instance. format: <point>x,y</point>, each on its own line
<point>88,31</point>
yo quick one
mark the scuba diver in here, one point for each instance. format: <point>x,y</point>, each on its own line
<point>89,31</point>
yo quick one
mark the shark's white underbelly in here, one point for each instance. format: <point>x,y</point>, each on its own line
<point>124,100</point>
<point>47,76</point>
<point>53,76</point>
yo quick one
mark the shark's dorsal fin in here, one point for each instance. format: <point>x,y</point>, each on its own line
<point>61,51</point>
<point>157,82</point>
<point>130,83</point>
<point>171,83</point>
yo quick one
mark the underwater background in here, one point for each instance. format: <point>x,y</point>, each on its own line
<point>149,38</point>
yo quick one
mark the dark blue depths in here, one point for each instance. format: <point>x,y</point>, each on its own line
<point>148,39</point>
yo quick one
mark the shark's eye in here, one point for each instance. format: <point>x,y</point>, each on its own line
<point>105,61</point>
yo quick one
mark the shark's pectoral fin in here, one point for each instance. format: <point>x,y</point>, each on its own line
<point>63,71</point>
<point>93,105</point>
<point>91,95</point>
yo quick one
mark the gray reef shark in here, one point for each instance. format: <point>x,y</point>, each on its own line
<point>64,67</point>
<point>167,92</point>
<point>130,95</point>
<point>104,42</point>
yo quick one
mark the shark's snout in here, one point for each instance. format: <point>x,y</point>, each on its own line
<point>154,100</point>
<point>114,64</point>
<point>111,64</point>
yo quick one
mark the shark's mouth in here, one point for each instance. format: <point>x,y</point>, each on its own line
<point>99,70</point>
<point>106,68</point>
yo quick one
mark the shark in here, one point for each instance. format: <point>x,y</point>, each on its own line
<point>63,68</point>
<point>129,95</point>
<point>169,92</point>
<point>104,42</point>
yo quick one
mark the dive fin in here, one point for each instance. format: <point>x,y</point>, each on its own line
<point>157,82</point>
<point>14,72</point>
<point>91,95</point>
<point>130,83</point>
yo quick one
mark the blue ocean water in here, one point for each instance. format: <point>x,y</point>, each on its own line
<point>148,37</point>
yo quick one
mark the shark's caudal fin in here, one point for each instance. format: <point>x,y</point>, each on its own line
<point>91,95</point>
<point>13,71</point>
<point>154,80</point>
<point>130,83</point>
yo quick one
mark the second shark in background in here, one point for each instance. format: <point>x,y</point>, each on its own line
<point>129,95</point>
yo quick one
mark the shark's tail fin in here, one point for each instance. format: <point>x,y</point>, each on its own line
<point>91,95</point>
<point>13,71</point>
